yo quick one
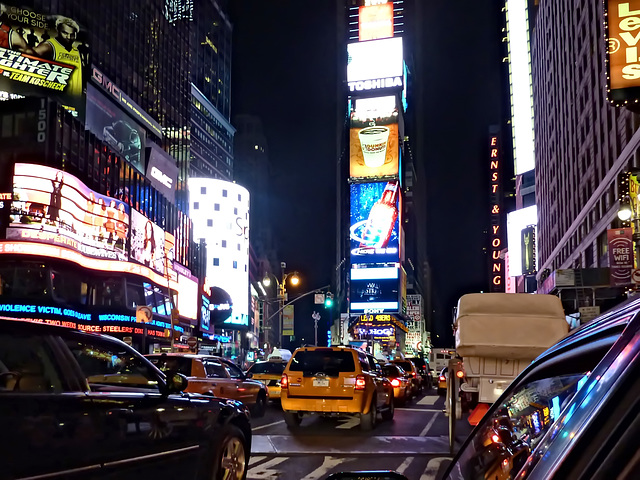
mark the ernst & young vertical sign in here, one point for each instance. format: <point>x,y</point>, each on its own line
<point>496,263</point>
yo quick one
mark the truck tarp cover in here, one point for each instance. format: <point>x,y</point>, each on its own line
<point>508,325</point>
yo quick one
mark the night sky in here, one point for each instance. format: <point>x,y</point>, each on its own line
<point>284,71</point>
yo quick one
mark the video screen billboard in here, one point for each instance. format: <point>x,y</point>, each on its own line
<point>373,138</point>
<point>147,242</point>
<point>115,128</point>
<point>375,65</point>
<point>375,295</point>
<point>162,171</point>
<point>52,206</point>
<point>374,227</point>
<point>375,21</point>
<point>518,222</point>
<point>43,55</point>
<point>220,214</point>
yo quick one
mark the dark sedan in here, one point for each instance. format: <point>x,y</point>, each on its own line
<point>81,405</point>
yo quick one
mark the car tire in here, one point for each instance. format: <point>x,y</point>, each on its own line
<point>389,412</point>
<point>292,419</point>
<point>260,406</point>
<point>230,454</point>
<point>368,420</point>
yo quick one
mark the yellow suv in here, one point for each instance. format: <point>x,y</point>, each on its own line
<point>335,381</point>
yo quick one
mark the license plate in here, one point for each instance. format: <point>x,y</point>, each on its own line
<point>320,382</point>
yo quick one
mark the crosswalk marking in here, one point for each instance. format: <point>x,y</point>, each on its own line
<point>404,465</point>
<point>327,464</point>
<point>349,422</point>
<point>255,460</point>
<point>265,470</point>
<point>428,400</point>
<point>432,468</point>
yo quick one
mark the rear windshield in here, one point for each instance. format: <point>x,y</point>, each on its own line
<point>405,365</point>
<point>329,362</point>
<point>391,371</point>
<point>172,364</point>
<point>268,367</point>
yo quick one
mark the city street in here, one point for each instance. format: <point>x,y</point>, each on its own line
<point>414,444</point>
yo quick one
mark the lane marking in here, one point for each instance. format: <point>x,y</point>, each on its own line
<point>432,468</point>
<point>428,400</point>
<point>265,470</point>
<point>255,460</point>
<point>419,410</point>
<point>327,464</point>
<point>349,422</point>
<point>267,425</point>
<point>404,465</point>
<point>429,425</point>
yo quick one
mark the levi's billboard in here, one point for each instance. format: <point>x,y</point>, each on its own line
<point>373,137</point>
<point>622,34</point>
<point>52,206</point>
<point>43,55</point>
<point>375,65</point>
<point>374,226</point>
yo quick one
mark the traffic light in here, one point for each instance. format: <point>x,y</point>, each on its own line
<point>328,300</point>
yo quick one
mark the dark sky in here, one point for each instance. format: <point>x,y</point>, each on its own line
<point>284,71</point>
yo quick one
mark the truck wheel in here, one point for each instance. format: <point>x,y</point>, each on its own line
<point>368,420</point>
<point>292,419</point>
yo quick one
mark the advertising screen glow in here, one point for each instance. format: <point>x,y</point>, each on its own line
<point>374,230</point>
<point>517,222</point>
<point>380,295</point>
<point>375,21</point>
<point>52,206</point>
<point>373,144</point>
<point>375,65</point>
<point>622,19</point>
<point>220,214</point>
<point>147,242</point>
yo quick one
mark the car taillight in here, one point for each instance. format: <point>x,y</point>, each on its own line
<point>395,382</point>
<point>442,378</point>
<point>495,438</point>
<point>459,374</point>
<point>413,374</point>
<point>284,381</point>
<point>360,382</point>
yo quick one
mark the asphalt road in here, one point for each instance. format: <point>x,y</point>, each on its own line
<point>414,443</point>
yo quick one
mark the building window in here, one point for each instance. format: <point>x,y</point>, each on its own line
<point>224,193</point>
<point>216,262</point>
<point>216,207</point>
<point>209,223</point>
<point>203,190</point>
<point>235,264</point>
<point>239,197</point>
<point>235,211</point>
<point>239,247</point>
<point>224,244</point>
<point>196,205</point>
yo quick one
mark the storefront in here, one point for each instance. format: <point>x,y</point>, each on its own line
<point>379,334</point>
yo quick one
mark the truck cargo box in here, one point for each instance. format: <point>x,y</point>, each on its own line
<point>508,325</point>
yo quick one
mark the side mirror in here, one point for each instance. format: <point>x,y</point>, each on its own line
<point>367,475</point>
<point>176,383</point>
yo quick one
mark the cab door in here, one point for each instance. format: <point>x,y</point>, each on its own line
<point>224,386</point>
<point>246,390</point>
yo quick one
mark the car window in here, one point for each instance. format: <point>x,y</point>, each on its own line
<point>214,369</point>
<point>172,364</point>
<point>405,365</point>
<point>112,367</point>
<point>27,365</point>
<point>234,371</point>
<point>504,441</point>
<point>275,368</point>
<point>391,371</point>
<point>329,362</point>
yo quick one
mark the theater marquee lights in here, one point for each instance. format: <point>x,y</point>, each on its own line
<point>496,264</point>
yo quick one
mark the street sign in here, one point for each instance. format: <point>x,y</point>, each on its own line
<point>635,276</point>
<point>128,340</point>
<point>144,314</point>
<point>588,313</point>
<point>192,341</point>
<point>318,298</point>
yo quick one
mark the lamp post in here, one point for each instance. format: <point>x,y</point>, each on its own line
<point>294,279</point>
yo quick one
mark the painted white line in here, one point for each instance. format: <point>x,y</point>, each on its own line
<point>418,410</point>
<point>432,468</point>
<point>349,422</point>
<point>327,464</point>
<point>267,425</point>
<point>428,400</point>
<point>426,429</point>
<point>404,465</point>
<point>265,470</point>
<point>255,460</point>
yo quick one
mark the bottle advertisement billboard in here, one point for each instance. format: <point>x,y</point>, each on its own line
<point>374,225</point>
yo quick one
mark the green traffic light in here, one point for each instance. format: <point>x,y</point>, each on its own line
<point>328,302</point>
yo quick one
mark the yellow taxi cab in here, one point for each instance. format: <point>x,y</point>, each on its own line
<point>399,381</point>
<point>217,376</point>
<point>442,381</point>
<point>269,373</point>
<point>335,381</point>
<point>415,379</point>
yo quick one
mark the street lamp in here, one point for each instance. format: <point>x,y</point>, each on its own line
<point>294,280</point>
<point>628,213</point>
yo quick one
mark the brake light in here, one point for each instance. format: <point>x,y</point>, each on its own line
<point>284,381</point>
<point>395,382</point>
<point>360,382</point>
<point>459,374</point>
<point>413,374</point>
<point>442,379</point>
<point>495,438</point>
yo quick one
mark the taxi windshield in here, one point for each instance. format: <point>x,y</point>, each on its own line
<point>328,362</point>
<point>275,368</point>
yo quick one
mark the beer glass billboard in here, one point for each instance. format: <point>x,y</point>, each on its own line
<point>43,55</point>
<point>374,225</point>
<point>373,137</point>
<point>52,206</point>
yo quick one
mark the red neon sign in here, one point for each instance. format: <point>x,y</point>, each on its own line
<point>496,263</point>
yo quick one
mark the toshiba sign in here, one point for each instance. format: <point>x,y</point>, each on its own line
<point>375,64</point>
<point>162,171</point>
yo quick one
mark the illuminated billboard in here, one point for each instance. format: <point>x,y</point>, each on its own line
<point>220,214</point>
<point>373,137</point>
<point>111,125</point>
<point>522,248</point>
<point>147,242</point>
<point>375,21</point>
<point>52,206</point>
<point>623,62</point>
<point>162,171</point>
<point>374,226</point>
<point>43,55</point>
<point>377,292</point>
<point>375,65</point>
